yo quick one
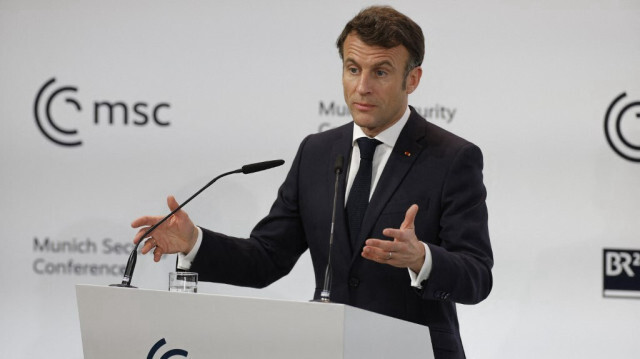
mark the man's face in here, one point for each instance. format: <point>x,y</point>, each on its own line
<point>372,78</point>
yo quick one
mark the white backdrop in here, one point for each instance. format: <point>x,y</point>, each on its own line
<point>529,82</point>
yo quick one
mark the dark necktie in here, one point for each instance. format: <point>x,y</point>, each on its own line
<point>359,194</point>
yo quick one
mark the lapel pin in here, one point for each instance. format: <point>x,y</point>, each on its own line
<point>408,154</point>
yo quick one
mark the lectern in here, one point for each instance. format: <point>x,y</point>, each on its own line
<point>137,323</point>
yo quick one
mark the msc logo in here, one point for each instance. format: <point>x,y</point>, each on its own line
<point>53,119</point>
<point>169,354</point>
<point>622,128</point>
<point>621,273</point>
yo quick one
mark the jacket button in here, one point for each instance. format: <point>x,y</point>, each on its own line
<point>441,295</point>
<point>354,282</point>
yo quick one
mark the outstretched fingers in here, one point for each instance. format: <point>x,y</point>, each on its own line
<point>404,251</point>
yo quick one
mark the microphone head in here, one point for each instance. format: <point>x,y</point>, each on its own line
<point>261,166</point>
<point>337,167</point>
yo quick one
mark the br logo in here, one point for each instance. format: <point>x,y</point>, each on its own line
<point>622,127</point>
<point>173,353</point>
<point>56,112</point>
<point>621,269</point>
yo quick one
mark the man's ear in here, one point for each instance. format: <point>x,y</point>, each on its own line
<point>413,79</point>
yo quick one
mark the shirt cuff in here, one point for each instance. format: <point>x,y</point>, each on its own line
<point>184,260</point>
<point>425,271</point>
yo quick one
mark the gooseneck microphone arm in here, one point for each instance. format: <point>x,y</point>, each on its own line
<point>325,295</point>
<point>131,263</point>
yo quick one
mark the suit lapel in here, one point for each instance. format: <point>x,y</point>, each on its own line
<point>402,158</point>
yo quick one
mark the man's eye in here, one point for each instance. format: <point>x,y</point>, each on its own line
<point>381,73</point>
<point>352,70</point>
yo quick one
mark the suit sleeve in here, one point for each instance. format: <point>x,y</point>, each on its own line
<point>462,262</point>
<point>271,251</point>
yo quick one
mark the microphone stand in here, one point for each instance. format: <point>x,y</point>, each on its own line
<point>131,263</point>
<point>325,295</point>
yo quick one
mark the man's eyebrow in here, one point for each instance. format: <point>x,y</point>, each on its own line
<point>383,63</point>
<point>377,64</point>
<point>349,60</point>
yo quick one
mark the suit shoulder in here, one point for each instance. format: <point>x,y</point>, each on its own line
<point>321,138</point>
<point>439,137</point>
<point>436,133</point>
<point>436,140</point>
<point>431,133</point>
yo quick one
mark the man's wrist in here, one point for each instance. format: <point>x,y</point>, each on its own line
<point>417,277</point>
<point>185,259</point>
<point>196,234</point>
<point>419,263</point>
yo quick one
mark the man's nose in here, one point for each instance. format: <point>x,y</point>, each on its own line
<point>364,84</point>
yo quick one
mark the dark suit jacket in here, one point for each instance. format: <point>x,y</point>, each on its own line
<point>429,166</point>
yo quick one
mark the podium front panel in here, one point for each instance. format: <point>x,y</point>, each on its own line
<point>137,323</point>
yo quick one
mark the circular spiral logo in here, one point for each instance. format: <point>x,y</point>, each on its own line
<point>622,127</point>
<point>169,354</point>
<point>42,109</point>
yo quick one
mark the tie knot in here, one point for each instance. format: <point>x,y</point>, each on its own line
<point>367,147</point>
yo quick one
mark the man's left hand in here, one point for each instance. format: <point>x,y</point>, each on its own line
<point>405,251</point>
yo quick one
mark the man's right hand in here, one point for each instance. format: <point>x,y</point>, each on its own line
<point>176,235</point>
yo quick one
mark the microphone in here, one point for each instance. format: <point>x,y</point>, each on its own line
<point>261,166</point>
<point>326,289</point>
<point>131,263</point>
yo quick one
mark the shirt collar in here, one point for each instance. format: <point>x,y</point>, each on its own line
<point>389,136</point>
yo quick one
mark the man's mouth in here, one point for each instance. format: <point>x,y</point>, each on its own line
<point>363,106</point>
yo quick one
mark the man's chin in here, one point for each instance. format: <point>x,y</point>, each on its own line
<point>363,120</point>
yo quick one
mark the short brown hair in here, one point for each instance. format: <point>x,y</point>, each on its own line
<point>386,27</point>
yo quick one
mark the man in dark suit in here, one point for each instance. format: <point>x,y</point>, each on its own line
<point>411,236</point>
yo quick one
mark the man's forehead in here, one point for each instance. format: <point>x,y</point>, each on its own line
<point>356,50</point>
